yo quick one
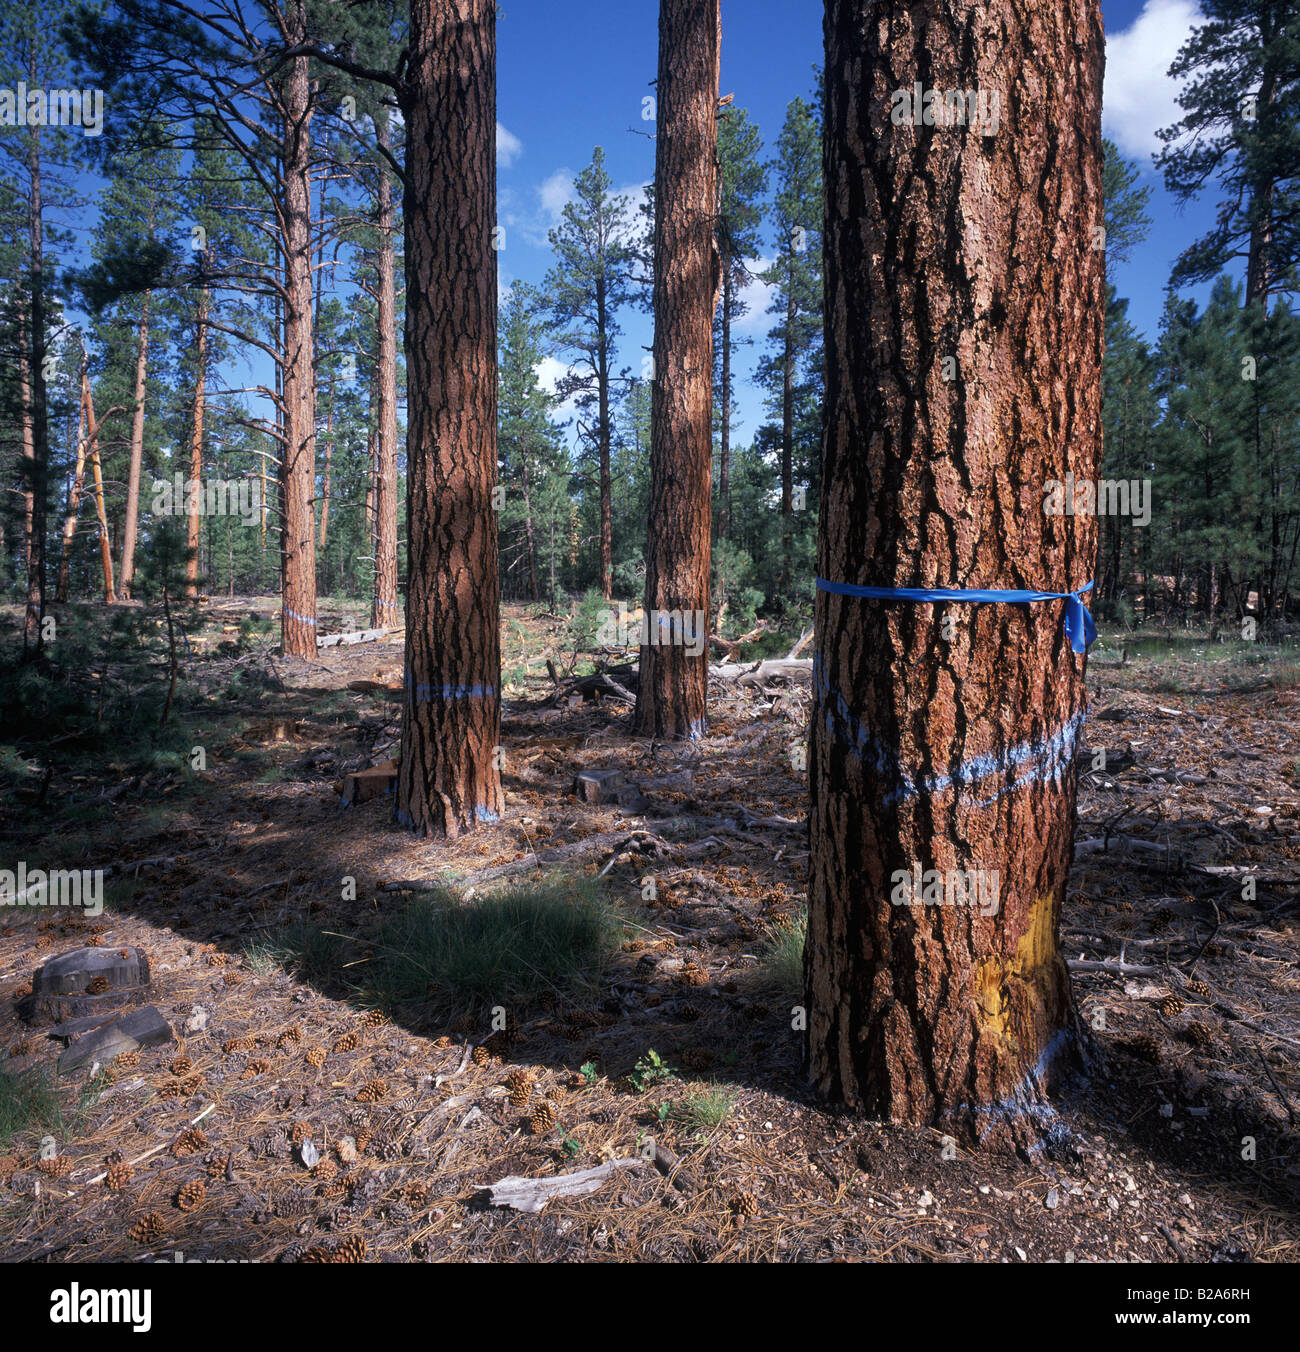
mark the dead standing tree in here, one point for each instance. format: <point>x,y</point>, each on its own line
<point>964,303</point>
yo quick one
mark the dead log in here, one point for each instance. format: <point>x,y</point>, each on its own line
<point>357,636</point>
<point>781,668</point>
<point>532,1194</point>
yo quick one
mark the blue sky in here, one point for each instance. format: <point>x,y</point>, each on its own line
<point>572,76</point>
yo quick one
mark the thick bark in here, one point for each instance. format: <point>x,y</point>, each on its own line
<point>193,520</point>
<point>385,610</point>
<point>298,451</point>
<point>131,522</point>
<point>950,746</point>
<point>673,687</point>
<point>451,727</point>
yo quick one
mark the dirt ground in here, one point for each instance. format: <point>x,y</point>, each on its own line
<point>1178,1141</point>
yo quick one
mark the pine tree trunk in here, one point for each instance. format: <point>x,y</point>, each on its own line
<point>724,454</point>
<point>131,522</point>
<point>787,438</point>
<point>533,590</point>
<point>944,736</point>
<point>74,494</point>
<point>451,726</point>
<point>298,452</point>
<point>101,513</point>
<point>385,610</point>
<point>325,474</point>
<point>193,521</point>
<point>38,467</point>
<point>672,692</point>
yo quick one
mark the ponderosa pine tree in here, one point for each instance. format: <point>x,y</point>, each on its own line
<point>672,689</point>
<point>742,181</point>
<point>1240,127</point>
<point>943,739</point>
<point>450,777</point>
<point>590,282</point>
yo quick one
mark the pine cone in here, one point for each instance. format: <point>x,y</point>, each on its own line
<point>372,1092</point>
<point>364,1137</point>
<point>442,1043</point>
<point>300,1132</point>
<point>192,1085</point>
<point>114,1157</point>
<point>347,1043</point>
<point>97,985</point>
<point>182,1066</point>
<point>315,1255</point>
<point>1171,1006</point>
<point>521,1093</point>
<point>217,959</point>
<point>328,1191</point>
<point>8,1165</point>
<point>94,941</point>
<point>689,1013</point>
<point>315,1056</point>
<point>56,1167</point>
<point>290,1037</point>
<point>217,1164</point>
<point>233,978</point>
<point>128,1060</point>
<point>466,1023</point>
<point>44,941</point>
<point>542,1119</point>
<point>1201,989</point>
<point>1200,1034</point>
<point>147,1228</point>
<point>188,1142</point>
<point>118,1177</point>
<point>480,1055</point>
<point>236,1044</point>
<point>417,1193</point>
<point>257,1066</point>
<point>169,1090</point>
<point>374,1018</point>
<point>324,1168</point>
<point>192,1194</point>
<point>743,1204</point>
<point>352,1250</point>
<point>697,1058</point>
<point>576,1080</point>
<point>1145,1048</point>
<point>519,1076</point>
<point>24,1048</point>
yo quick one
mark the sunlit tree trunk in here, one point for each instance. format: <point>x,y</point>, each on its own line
<point>384,609</point>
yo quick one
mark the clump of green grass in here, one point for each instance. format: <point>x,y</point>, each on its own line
<point>704,1107</point>
<point>504,948</point>
<point>29,1103</point>
<point>781,965</point>
<point>311,953</point>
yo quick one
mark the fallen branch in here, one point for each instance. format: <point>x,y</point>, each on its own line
<point>357,636</point>
<point>756,673</point>
<point>532,1194</point>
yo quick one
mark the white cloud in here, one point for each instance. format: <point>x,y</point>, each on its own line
<point>549,371</point>
<point>556,193</point>
<point>509,147</point>
<point>1139,96</point>
<point>757,294</point>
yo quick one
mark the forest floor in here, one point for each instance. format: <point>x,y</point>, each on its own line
<point>1182,1133</point>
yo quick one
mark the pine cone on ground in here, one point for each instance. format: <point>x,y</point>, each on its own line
<point>8,1165</point>
<point>697,1058</point>
<point>689,1013</point>
<point>290,1037</point>
<point>324,1168</point>
<point>743,1204</point>
<point>374,1018</point>
<point>236,1044</point>
<point>542,1118</point>
<point>114,1157</point>
<point>188,1142</point>
<point>520,1093</point>
<point>56,1167</point>
<point>1201,989</point>
<point>192,1194</point>
<point>97,985</point>
<point>182,1066</point>
<point>217,959</point>
<point>1145,1048</point>
<point>466,1023</point>
<point>147,1228</point>
<point>315,1254</point>
<point>233,978</point>
<point>24,1048</point>
<point>576,1080</point>
<point>259,1065</point>
<point>441,1043</point>
<point>216,1164</point>
<point>372,1092</point>
<point>118,1177</point>
<point>128,1060</point>
<point>315,1056</point>
<point>300,1132</point>
<point>417,1193</point>
<point>352,1250</point>
<point>480,1055</point>
<point>1171,1006</point>
<point>364,1137</point>
<point>192,1085</point>
<point>1200,1034</point>
<point>347,1043</point>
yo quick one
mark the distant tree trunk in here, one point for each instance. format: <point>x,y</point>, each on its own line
<point>325,473</point>
<point>533,589</point>
<point>193,520</point>
<point>74,494</point>
<point>101,513</point>
<point>606,480</point>
<point>935,746</point>
<point>672,691</point>
<point>28,423</point>
<point>450,775</point>
<point>787,438</point>
<point>38,466</point>
<point>131,522</point>
<point>724,454</point>
<point>298,452</point>
<point>385,610</point>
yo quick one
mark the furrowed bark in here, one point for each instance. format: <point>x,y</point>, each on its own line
<point>450,773</point>
<point>944,736</point>
<point>673,687</point>
<point>384,608</point>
